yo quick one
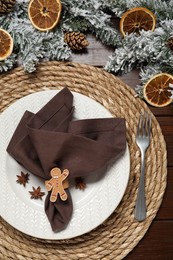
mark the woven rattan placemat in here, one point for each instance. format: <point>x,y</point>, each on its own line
<point>120,233</point>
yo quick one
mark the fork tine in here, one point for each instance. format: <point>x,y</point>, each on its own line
<point>143,142</point>
<point>146,124</point>
<point>149,125</point>
<point>138,133</point>
<point>143,124</point>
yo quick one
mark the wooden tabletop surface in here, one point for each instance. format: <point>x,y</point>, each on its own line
<point>158,241</point>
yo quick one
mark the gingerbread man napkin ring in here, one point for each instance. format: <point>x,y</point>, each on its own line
<point>58,183</point>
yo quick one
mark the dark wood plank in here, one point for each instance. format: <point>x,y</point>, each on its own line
<point>162,111</point>
<point>131,79</point>
<point>166,210</point>
<point>166,124</point>
<point>157,244</point>
<point>96,53</point>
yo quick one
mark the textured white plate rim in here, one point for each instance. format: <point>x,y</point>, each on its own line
<point>99,203</point>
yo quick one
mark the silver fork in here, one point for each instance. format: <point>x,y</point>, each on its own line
<point>143,141</point>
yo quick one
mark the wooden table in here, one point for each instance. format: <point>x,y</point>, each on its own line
<point>158,241</point>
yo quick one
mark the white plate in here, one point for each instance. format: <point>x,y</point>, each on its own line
<point>91,206</point>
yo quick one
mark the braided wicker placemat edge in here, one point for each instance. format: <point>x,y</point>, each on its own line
<point>120,233</point>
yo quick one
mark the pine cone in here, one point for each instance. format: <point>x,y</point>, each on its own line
<point>76,40</point>
<point>170,43</point>
<point>6,5</point>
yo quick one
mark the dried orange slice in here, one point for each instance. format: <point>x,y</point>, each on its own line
<point>44,14</point>
<point>136,19</point>
<point>6,44</point>
<point>157,91</point>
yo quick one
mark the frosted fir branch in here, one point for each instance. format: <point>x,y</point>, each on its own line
<point>8,63</point>
<point>19,12</point>
<point>107,35</point>
<point>151,70</point>
<point>148,72</point>
<point>30,44</point>
<point>125,58</point>
<point>171,86</point>
<point>55,47</point>
<point>31,62</point>
<point>85,9</point>
<point>75,24</point>
<point>139,50</point>
<point>145,74</point>
<point>27,41</point>
<point>162,9</point>
<point>94,18</point>
<point>116,6</point>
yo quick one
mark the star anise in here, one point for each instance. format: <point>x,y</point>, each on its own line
<point>80,184</point>
<point>36,193</point>
<point>23,178</point>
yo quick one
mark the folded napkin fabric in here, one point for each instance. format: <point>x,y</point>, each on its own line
<point>50,138</point>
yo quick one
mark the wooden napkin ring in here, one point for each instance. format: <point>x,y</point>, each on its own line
<point>58,183</point>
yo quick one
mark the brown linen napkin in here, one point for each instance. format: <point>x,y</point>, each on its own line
<point>51,139</point>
